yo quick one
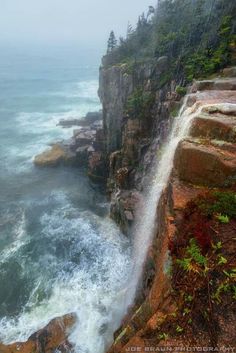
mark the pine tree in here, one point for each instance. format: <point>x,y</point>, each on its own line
<point>129,30</point>
<point>112,42</point>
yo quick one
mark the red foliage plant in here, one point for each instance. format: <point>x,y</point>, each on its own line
<point>195,224</point>
<point>202,233</point>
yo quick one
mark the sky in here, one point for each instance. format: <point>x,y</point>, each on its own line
<point>86,22</point>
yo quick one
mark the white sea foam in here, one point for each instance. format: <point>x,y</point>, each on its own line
<point>20,238</point>
<point>93,289</point>
<point>83,89</point>
<point>91,278</point>
<point>35,130</point>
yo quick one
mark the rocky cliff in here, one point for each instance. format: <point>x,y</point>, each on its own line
<point>187,297</point>
<point>187,293</point>
<point>138,111</point>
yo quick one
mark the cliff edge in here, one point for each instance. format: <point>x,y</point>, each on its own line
<point>188,285</point>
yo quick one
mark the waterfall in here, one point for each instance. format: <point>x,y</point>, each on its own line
<point>145,226</point>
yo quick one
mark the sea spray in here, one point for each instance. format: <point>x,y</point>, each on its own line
<point>85,335</point>
<point>58,252</point>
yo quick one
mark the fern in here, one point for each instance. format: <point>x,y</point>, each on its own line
<point>223,219</point>
<point>194,251</point>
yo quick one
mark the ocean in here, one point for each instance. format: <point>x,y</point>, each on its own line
<point>59,251</point>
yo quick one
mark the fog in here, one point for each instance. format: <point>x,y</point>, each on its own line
<point>86,22</point>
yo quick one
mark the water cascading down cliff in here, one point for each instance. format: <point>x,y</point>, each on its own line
<point>198,154</point>
<point>145,227</point>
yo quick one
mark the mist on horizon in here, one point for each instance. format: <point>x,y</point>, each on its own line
<point>87,23</point>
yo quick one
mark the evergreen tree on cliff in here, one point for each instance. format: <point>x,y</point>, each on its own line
<point>112,42</point>
<point>198,37</point>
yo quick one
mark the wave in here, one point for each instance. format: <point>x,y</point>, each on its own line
<point>19,232</point>
<point>30,132</point>
<point>36,131</point>
<point>67,259</point>
<point>80,90</point>
<point>90,279</point>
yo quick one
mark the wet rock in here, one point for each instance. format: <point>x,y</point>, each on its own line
<point>67,123</point>
<point>206,164</point>
<point>216,127</point>
<point>77,150</point>
<point>211,97</point>
<point>123,208</point>
<point>52,338</point>
<point>221,109</point>
<point>122,176</point>
<point>203,162</point>
<point>89,119</point>
<point>114,88</point>
<point>131,139</point>
<point>84,137</point>
<point>82,154</point>
<point>217,84</point>
<point>99,141</point>
<point>229,71</point>
<point>97,125</point>
<point>97,170</point>
<point>129,216</point>
<point>54,157</point>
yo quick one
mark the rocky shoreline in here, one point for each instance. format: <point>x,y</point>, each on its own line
<point>84,149</point>
<point>121,155</point>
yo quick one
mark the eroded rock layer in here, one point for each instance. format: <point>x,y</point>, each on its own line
<point>188,291</point>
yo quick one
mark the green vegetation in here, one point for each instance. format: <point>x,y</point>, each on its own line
<point>138,103</point>
<point>174,113</point>
<point>181,90</point>
<point>112,43</point>
<point>163,336</point>
<point>219,203</point>
<point>204,273</point>
<point>197,36</point>
<point>194,257</point>
<point>179,329</point>
<point>222,218</point>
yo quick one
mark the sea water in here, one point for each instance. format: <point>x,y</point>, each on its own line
<point>59,251</point>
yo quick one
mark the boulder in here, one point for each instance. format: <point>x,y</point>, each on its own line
<point>84,136</point>
<point>52,338</point>
<point>67,123</point>
<point>123,208</point>
<point>217,127</point>
<point>217,84</point>
<point>206,164</point>
<point>97,170</point>
<point>82,154</point>
<point>54,157</point>
<point>90,118</point>
<point>229,71</point>
<point>97,124</point>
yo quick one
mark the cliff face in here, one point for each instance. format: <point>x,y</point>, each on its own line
<point>188,284</point>
<point>137,117</point>
<point>115,85</point>
<point>187,294</point>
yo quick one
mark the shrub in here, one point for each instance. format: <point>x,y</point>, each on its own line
<point>219,203</point>
<point>181,90</point>
<point>140,103</point>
